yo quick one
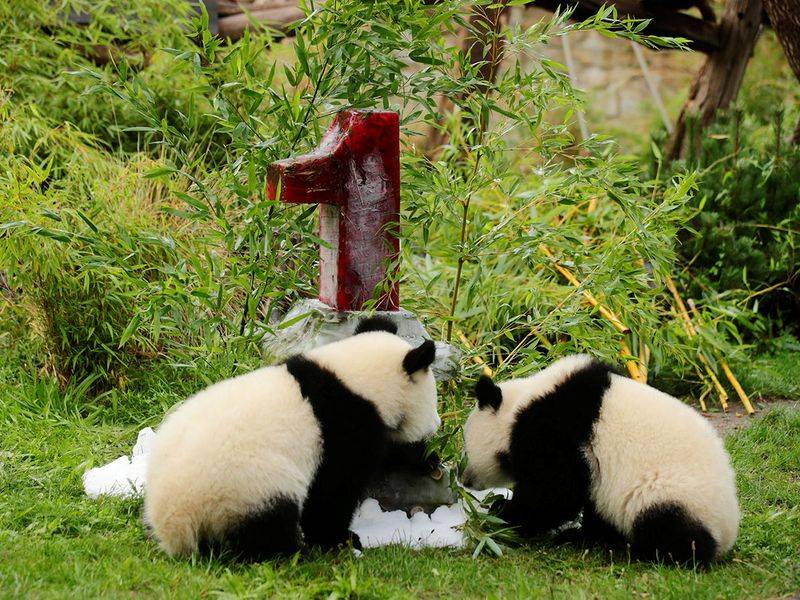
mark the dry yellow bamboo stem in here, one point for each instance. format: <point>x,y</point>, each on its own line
<point>631,363</point>
<point>738,387</point>
<point>533,332</point>
<point>636,367</point>
<point>703,397</point>
<point>610,316</point>
<point>644,360</point>
<point>692,332</point>
<point>681,308</point>
<point>728,373</point>
<point>454,413</point>
<point>723,395</point>
<point>709,386</point>
<point>476,359</point>
<point>567,216</point>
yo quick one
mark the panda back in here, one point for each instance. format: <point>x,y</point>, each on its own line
<point>649,448</point>
<point>230,449</point>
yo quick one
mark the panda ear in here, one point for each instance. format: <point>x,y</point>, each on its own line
<point>375,324</point>
<point>420,357</point>
<point>488,393</point>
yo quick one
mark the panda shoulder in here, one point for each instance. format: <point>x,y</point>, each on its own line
<point>579,365</point>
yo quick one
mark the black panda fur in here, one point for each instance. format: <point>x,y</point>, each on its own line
<point>547,460</point>
<point>355,444</point>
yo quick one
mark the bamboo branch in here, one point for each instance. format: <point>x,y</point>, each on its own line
<point>728,373</point>
<point>644,359</point>
<point>703,397</point>
<point>636,367</point>
<point>661,19</point>
<point>533,332</point>
<point>684,314</point>
<point>279,19</point>
<point>475,358</point>
<point>738,387</point>
<point>610,316</point>
<point>723,395</point>
<point>692,332</point>
<point>631,362</point>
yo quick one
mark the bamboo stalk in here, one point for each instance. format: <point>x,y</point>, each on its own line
<point>692,332</point>
<point>644,359</point>
<point>636,368</point>
<point>723,395</point>
<point>534,331</point>
<point>652,86</point>
<point>567,216</point>
<point>610,316</point>
<point>738,387</point>
<point>453,413</point>
<point>573,76</point>
<point>703,398</point>
<point>631,363</point>
<point>234,26</point>
<point>475,358</point>
<point>728,373</point>
<point>625,352</point>
<point>681,308</point>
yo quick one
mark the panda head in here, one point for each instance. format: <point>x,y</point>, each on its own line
<point>487,435</point>
<point>391,374</point>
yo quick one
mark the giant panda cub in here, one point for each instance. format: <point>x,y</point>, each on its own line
<point>646,470</point>
<point>262,462</point>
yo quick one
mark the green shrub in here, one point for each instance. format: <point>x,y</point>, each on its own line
<point>742,242</point>
<point>78,251</point>
<point>200,259</point>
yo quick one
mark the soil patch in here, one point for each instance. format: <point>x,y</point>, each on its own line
<point>737,418</point>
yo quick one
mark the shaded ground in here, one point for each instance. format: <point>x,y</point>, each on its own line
<point>737,419</point>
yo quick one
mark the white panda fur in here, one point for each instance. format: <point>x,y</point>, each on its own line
<point>647,456</point>
<point>234,466</point>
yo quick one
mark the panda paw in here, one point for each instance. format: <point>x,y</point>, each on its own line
<point>355,541</point>
<point>570,536</point>
<point>498,507</point>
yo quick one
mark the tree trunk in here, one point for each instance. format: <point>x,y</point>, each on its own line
<point>717,82</point>
<point>785,18</point>
<point>485,47</point>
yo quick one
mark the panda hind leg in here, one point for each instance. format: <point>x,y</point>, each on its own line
<point>668,532</point>
<point>597,530</point>
<point>268,532</point>
<point>594,530</point>
<point>327,516</point>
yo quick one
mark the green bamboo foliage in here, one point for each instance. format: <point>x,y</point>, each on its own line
<point>140,229</point>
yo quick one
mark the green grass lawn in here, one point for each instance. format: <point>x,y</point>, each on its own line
<point>55,542</point>
<point>774,375</point>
